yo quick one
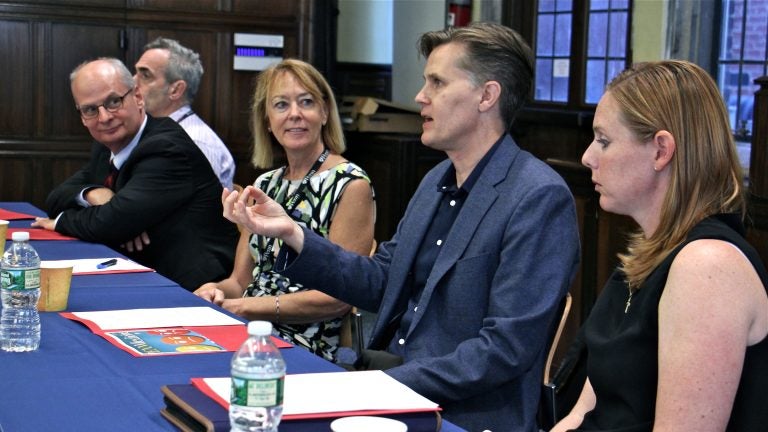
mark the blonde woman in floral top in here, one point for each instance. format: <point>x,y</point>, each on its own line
<point>295,108</point>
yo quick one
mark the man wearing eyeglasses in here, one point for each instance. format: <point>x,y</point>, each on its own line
<point>147,186</point>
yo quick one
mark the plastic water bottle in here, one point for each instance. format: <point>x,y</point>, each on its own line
<point>258,374</point>
<point>20,290</point>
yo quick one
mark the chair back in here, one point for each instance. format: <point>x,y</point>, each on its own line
<point>352,327</point>
<point>547,415</point>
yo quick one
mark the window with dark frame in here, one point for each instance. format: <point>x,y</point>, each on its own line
<point>742,57</point>
<point>608,29</point>
<point>553,50</point>
<point>589,35</point>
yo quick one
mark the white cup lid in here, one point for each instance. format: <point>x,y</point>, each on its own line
<point>368,424</point>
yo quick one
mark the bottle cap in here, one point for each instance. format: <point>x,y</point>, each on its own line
<point>259,328</point>
<point>20,236</point>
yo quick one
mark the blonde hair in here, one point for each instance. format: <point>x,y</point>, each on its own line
<point>309,78</point>
<point>706,177</point>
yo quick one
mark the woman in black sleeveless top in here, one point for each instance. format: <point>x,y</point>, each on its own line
<point>677,339</point>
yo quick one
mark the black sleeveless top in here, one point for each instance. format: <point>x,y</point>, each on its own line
<point>622,348</point>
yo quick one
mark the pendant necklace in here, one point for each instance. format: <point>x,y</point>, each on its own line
<point>629,299</point>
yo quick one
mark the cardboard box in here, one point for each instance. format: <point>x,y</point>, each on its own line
<point>366,114</point>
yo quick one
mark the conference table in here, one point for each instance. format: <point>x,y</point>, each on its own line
<point>78,381</point>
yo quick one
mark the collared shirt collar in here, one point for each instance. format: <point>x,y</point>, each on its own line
<point>119,159</point>
<point>448,182</point>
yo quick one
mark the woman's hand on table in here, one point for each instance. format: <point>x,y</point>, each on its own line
<point>210,292</point>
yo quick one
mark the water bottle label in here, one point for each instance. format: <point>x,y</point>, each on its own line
<point>19,280</point>
<point>257,393</point>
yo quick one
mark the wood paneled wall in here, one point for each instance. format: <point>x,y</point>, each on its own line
<point>42,140</point>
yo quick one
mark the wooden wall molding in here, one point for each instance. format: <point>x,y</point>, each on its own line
<point>43,141</point>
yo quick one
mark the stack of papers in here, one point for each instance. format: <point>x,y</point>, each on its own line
<point>354,393</point>
<point>152,318</point>
<point>91,266</point>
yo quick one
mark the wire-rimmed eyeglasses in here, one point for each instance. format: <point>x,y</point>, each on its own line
<point>112,104</point>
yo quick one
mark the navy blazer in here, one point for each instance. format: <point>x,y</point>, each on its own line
<point>165,188</point>
<point>476,343</point>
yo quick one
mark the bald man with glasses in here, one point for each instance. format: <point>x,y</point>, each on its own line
<point>147,187</point>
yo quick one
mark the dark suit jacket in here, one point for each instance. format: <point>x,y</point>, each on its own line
<point>165,188</point>
<point>476,343</point>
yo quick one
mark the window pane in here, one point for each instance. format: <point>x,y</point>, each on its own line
<point>560,89</point>
<point>620,4</point>
<point>614,68</point>
<point>564,5</point>
<point>544,35</point>
<point>755,40</point>
<point>598,5</point>
<point>748,88</point>
<point>595,81</point>
<point>543,80</point>
<point>546,5</point>
<point>617,39</point>
<point>563,35</point>
<point>598,29</point>
<point>728,81</point>
<point>733,13</point>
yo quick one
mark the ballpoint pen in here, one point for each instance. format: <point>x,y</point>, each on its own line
<point>107,263</point>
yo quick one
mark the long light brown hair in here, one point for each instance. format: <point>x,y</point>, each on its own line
<point>706,177</point>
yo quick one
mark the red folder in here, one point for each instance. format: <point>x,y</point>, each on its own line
<point>12,215</point>
<point>189,409</point>
<point>201,385</point>
<point>153,342</point>
<point>39,234</point>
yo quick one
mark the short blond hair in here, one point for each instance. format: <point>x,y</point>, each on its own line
<point>314,82</point>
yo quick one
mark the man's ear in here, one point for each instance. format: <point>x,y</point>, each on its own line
<point>664,146</point>
<point>177,89</point>
<point>490,95</point>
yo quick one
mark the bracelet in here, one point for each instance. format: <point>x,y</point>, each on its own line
<point>277,309</point>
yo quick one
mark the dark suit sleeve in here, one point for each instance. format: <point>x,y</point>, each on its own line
<point>159,179</point>
<point>64,196</point>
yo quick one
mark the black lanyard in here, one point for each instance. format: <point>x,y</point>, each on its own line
<point>296,196</point>
<point>187,114</point>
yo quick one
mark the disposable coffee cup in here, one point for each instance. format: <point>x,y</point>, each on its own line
<point>368,424</point>
<point>55,280</point>
<point>3,233</point>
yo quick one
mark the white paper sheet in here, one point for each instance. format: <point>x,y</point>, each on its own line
<point>352,391</point>
<point>158,317</point>
<point>89,265</point>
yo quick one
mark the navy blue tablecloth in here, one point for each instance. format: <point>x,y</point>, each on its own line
<point>78,381</point>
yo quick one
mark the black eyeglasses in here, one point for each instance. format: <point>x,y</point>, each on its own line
<point>112,104</point>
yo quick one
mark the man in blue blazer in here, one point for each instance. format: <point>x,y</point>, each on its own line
<point>163,202</point>
<point>469,285</point>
